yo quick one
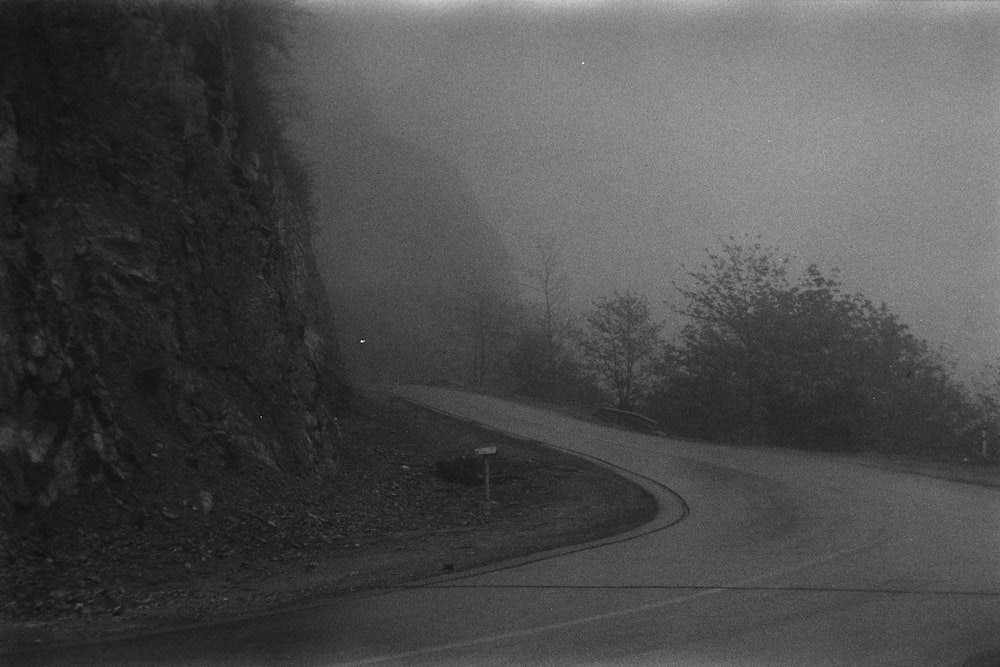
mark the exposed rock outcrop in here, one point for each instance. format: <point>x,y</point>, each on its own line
<point>157,287</point>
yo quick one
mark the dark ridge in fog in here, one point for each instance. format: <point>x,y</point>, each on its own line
<point>405,251</point>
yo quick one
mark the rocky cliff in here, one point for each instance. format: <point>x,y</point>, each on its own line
<point>158,296</point>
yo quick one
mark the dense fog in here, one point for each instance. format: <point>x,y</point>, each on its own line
<point>451,139</point>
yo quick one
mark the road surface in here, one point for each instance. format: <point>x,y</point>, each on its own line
<point>760,557</point>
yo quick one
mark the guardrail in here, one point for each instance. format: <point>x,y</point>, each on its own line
<point>627,418</point>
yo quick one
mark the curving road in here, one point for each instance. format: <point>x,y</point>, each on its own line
<point>777,558</point>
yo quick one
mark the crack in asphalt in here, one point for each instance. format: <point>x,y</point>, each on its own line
<point>700,587</point>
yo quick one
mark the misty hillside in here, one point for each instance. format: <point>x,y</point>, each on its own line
<point>159,305</point>
<point>409,260</point>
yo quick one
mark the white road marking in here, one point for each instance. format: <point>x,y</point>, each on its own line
<point>527,632</point>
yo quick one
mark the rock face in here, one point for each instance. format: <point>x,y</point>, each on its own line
<point>157,286</point>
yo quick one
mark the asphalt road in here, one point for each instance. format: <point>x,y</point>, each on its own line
<point>759,557</point>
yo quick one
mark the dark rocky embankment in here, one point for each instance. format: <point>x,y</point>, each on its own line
<point>158,296</point>
<point>175,437</point>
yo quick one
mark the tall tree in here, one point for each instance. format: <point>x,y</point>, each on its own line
<point>729,300</point>
<point>988,399</point>
<point>619,343</point>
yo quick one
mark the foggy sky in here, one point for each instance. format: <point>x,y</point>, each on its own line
<point>858,136</point>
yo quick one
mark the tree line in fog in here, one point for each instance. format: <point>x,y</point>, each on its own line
<point>763,356</point>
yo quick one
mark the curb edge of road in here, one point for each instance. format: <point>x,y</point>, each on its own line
<point>662,494</point>
<point>660,521</point>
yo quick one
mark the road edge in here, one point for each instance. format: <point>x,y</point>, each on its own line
<point>671,509</point>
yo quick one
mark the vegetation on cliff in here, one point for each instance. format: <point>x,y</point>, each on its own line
<point>157,289</point>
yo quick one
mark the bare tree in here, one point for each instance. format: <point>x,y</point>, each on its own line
<point>547,279</point>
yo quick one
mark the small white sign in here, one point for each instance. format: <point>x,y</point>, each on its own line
<point>486,451</point>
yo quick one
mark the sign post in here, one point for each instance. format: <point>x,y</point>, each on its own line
<point>486,453</point>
